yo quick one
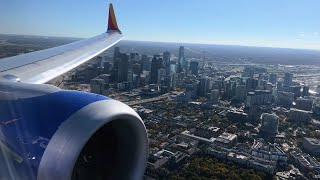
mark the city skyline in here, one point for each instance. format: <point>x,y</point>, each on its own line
<point>254,121</point>
<point>286,24</point>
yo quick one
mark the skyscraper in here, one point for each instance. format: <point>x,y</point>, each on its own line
<point>269,124</point>
<point>130,72</point>
<point>107,67</point>
<point>173,68</point>
<point>214,96</point>
<point>136,69</point>
<point>273,78</point>
<point>173,81</point>
<point>132,56</point>
<point>305,91</point>
<point>182,60</point>
<point>296,90</point>
<point>194,67</point>
<point>181,52</point>
<point>115,67</point>
<point>279,85</point>
<point>179,68</point>
<point>99,59</point>
<point>202,89</point>
<point>287,79</point>
<point>156,64</point>
<point>251,84</point>
<point>285,99</point>
<point>166,62</point>
<point>240,93</point>
<point>116,53</point>
<point>161,75</point>
<point>203,59</point>
<point>248,72</point>
<point>146,63</point>
<point>123,68</point>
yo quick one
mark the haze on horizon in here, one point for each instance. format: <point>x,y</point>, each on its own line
<point>285,24</point>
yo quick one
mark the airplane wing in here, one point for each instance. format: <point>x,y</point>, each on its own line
<point>42,66</point>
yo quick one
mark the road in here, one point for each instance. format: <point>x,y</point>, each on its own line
<point>158,98</point>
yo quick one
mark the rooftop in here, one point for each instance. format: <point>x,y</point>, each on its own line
<point>238,156</point>
<point>313,141</point>
<point>306,160</point>
<point>214,129</point>
<point>226,137</point>
<point>187,133</point>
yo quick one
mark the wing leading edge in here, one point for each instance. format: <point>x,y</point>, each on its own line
<point>42,66</point>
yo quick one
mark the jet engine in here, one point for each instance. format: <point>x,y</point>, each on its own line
<point>49,133</point>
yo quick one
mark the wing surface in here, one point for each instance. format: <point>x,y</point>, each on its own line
<point>42,66</point>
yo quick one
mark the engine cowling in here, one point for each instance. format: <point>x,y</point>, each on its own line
<point>49,133</point>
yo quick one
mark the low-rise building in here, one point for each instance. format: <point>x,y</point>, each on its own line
<point>269,152</point>
<point>226,140</point>
<point>298,115</point>
<point>237,116</point>
<point>304,104</point>
<point>199,138</point>
<point>162,157</point>
<point>306,162</point>
<point>217,151</point>
<point>186,145</point>
<point>177,159</point>
<point>151,90</point>
<point>312,145</point>
<point>158,159</point>
<point>207,131</point>
<point>262,165</point>
<point>124,85</point>
<point>289,175</point>
<point>240,158</point>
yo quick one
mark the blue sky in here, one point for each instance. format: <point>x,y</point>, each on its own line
<point>270,23</point>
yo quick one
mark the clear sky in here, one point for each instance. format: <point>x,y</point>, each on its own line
<point>271,23</point>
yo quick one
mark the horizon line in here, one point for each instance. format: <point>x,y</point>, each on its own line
<point>171,42</point>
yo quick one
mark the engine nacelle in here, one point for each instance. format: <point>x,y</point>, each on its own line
<point>49,133</point>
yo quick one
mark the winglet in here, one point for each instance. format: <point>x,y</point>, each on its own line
<point>112,22</point>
